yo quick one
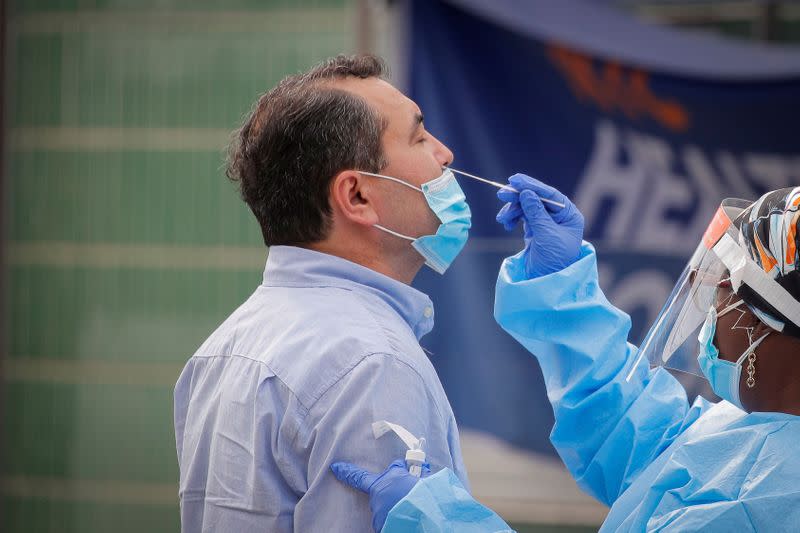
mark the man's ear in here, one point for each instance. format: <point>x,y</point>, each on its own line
<point>350,195</point>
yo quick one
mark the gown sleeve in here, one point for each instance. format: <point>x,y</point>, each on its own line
<point>607,429</point>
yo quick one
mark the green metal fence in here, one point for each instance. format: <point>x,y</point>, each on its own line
<point>126,245</point>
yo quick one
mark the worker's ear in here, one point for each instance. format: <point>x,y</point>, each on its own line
<point>351,194</point>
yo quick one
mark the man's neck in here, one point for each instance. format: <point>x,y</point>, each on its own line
<point>402,270</point>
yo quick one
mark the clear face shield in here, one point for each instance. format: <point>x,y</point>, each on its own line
<point>717,269</point>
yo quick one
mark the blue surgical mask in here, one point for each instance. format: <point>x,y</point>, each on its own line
<point>447,201</point>
<point>722,375</point>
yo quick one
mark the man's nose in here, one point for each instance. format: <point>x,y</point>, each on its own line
<point>442,153</point>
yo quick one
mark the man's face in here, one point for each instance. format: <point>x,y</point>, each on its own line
<point>412,154</point>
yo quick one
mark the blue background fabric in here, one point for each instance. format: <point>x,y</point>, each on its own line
<point>645,138</point>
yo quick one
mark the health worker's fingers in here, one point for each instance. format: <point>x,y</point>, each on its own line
<point>354,476</point>
<point>532,207</point>
<point>507,194</point>
<point>522,182</point>
<point>509,215</point>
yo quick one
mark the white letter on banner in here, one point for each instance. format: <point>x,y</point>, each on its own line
<point>605,178</point>
<point>655,231</point>
<point>644,189</point>
<point>732,171</point>
<point>711,191</point>
<point>772,171</point>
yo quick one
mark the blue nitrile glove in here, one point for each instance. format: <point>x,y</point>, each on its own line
<point>553,234</point>
<point>384,489</point>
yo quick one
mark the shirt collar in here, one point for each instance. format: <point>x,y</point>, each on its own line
<point>301,267</point>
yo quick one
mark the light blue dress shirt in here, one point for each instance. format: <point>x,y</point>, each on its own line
<point>290,383</point>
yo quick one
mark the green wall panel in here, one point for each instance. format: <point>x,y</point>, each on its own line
<point>95,432</point>
<point>160,77</point>
<point>185,80</point>
<point>125,255</point>
<point>36,80</point>
<point>33,6</point>
<point>140,315</point>
<point>127,197</point>
<point>47,515</point>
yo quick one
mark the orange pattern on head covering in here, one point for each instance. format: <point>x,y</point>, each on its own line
<point>791,238</point>
<point>767,261</point>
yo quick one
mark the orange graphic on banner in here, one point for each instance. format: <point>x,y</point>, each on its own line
<point>614,87</point>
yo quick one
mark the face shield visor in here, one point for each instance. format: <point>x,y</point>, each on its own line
<point>718,267</point>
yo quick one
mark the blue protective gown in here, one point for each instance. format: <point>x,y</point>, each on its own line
<point>660,463</point>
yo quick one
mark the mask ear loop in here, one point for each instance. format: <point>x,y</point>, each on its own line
<point>390,232</point>
<point>401,182</point>
<point>730,308</point>
<point>396,180</point>
<point>734,306</point>
<point>750,353</point>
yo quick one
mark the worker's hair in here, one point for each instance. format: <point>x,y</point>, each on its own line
<point>770,232</point>
<point>298,136</point>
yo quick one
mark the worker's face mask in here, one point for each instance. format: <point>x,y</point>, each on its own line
<point>722,375</point>
<point>447,201</point>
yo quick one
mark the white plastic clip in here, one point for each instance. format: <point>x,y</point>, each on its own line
<point>415,456</point>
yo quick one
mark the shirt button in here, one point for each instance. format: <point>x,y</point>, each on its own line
<point>428,312</point>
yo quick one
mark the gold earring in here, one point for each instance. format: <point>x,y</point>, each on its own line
<point>751,370</point>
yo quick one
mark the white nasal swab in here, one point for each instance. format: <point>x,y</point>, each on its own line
<point>500,185</point>
<point>490,182</point>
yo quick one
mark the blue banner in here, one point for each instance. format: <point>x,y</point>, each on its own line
<point>646,148</point>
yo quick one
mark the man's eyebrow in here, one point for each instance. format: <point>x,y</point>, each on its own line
<point>418,119</point>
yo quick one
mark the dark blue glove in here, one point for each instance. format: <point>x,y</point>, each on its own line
<point>553,234</point>
<point>384,489</point>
